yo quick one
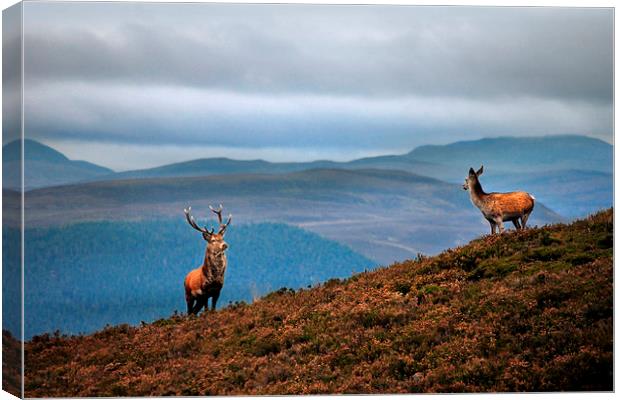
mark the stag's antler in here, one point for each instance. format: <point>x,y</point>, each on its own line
<point>218,212</point>
<point>192,222</point>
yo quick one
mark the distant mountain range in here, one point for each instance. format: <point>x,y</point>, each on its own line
<point>385,215</point>
<point>445,162</point>
<point>504,155</point>
<point>570,174</point>
<point>225,166</point>
<point>44,166</point>
<point>528,154</point>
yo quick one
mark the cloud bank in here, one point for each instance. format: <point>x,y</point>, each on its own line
<point>343,78</point>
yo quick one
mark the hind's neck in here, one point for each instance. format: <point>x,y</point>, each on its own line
<point>476,193</point>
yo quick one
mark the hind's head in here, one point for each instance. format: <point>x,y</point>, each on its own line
<point>472,178</point>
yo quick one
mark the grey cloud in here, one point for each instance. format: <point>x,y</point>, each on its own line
<point>355,50</point>
<point>183,116</point>
<point>11,73</point>
<point>328,77</point>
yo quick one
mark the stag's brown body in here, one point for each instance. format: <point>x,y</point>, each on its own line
<point>207,280</point>
<point>499,207</point>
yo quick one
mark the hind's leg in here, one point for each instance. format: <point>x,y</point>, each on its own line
<point>500,224</point>
<point>524,220</point>
<point>516,223</point>
<point>492,224</point>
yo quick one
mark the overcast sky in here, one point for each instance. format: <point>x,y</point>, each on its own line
<point>132,85</point>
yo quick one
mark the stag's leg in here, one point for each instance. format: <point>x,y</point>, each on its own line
<point>214,300</point>
<point>200,302</point>
<point>190,304</point>
<point>516,223</point>
<point>189,299</point>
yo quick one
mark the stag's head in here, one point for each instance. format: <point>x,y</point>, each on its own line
<point>472,177</point>
<point>216,244</point>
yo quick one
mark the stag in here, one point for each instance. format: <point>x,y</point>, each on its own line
<point>499,207</point>
<point>207,280</point>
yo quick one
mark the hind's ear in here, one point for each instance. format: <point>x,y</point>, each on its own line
<point>479,172</point>
<point>472,172</point>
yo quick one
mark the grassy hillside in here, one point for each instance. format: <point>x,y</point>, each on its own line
<point>525,311</point>
<point>11,365</point>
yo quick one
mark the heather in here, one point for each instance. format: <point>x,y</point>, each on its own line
<point>11,364</point>
<point>525,311</point>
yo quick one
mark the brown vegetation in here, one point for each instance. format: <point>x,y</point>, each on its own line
<point>525,311</point>
<point>11,364</point>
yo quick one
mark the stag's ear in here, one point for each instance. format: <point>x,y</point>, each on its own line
<point>479,172</point>
<point>472,172</point>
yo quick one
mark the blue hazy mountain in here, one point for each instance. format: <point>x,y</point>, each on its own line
<point>445,162</point>
<point>223,166</point>
<point>504,155</point>
<point>347,203</point>
<point>44,166</point>
<point>81,277</point>
<point>570,174</point>
<point>515,155</point>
